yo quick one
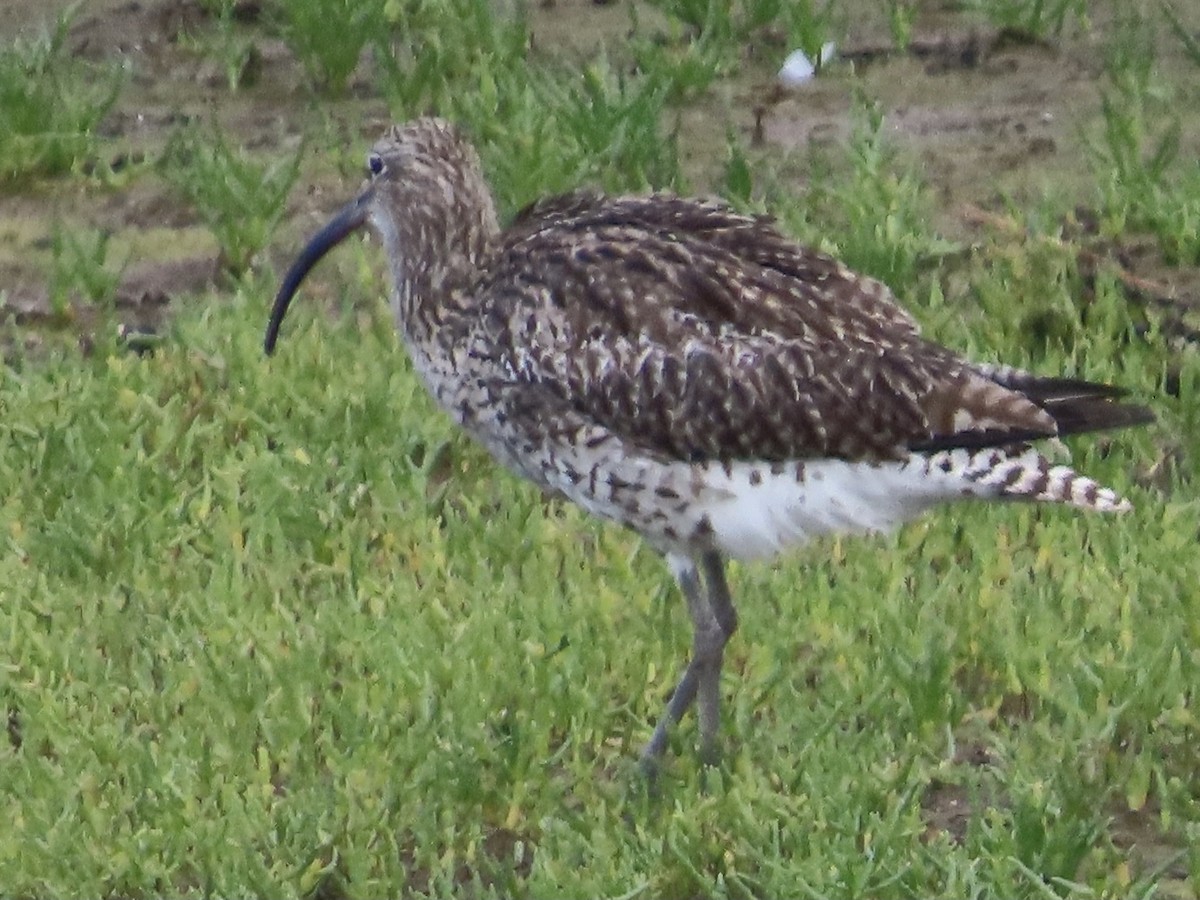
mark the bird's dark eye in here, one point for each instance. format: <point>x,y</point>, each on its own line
<point>374,163</point>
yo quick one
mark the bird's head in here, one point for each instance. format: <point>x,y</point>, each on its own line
<point>425,198</point>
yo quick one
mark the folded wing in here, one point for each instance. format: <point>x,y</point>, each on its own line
<point>705,334</point>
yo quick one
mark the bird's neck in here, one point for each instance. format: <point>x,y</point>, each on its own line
<point>434,257</point>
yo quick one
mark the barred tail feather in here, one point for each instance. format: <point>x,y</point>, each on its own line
<point>1022,473</point>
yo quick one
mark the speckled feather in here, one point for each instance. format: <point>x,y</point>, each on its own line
<point>695,375</point>
<point>602,346</point>
<point>698,333</point>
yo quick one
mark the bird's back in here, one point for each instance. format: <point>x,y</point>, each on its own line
<point>700,334</point>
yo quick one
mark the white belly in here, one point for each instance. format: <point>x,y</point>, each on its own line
<point>753,521</point>
<point>754,510</point>
<point>746,510</point>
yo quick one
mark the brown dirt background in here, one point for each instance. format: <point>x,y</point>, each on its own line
<point>987,119</point>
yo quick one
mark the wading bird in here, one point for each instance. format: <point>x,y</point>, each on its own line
<point>693,374</point>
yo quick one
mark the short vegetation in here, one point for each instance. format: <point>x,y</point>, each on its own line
<point>273,628</point>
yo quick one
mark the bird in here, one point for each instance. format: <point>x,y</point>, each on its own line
<point>694,374</point>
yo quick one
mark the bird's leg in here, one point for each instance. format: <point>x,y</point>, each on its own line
<point>685,692</point>
<point>713,620</point>
<point>718,592</point>
<point>723,615</point>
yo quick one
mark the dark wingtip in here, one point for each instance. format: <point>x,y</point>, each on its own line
<point>1079,406</point>
<point>1098,414</point>
<point>348,219</point>
<point>1077,415</point>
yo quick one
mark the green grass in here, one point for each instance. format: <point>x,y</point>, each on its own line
<point>50,105</point>
<point>227,43</point>
<point>866,207</point>
<point>439,54</point>
<point>274,628</point>
<point>328,37</point>
<point>81,269</point>
<point>1037,20</point>
<point>279,627</point>
<point>239,196</point>
<point>1144,182</point>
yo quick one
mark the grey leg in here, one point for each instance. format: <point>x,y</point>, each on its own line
<point>685,692</point>
<point>722,623</point>
<point>713,621</point>
<point>718,592</point>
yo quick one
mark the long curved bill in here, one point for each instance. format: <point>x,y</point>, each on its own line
<point>348,219</point>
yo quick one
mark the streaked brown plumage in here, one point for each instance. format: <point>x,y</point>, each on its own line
<point>694,374</point>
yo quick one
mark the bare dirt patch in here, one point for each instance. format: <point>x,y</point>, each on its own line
<point>985,116</point>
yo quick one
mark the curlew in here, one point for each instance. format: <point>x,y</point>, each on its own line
<point>693,374</point>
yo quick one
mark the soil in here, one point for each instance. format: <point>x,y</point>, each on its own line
<point>989,118</point>
<point>993,121</point>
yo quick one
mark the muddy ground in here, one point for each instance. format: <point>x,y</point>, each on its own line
<point>985,116</point>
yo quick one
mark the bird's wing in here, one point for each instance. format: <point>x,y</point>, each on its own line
<point>700,334</point>
<point>836,293</point>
